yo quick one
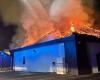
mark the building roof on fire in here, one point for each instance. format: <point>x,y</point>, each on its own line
<point>73,37</point>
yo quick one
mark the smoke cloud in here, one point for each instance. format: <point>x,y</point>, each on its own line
<point>38,19</point>
<point>6,34</point>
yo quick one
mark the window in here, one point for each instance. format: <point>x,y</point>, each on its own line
<point>23,59</point>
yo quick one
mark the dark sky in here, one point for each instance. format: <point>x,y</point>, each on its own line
<point>97,14</point>
<point>97,5</point>
<point>6,34</point>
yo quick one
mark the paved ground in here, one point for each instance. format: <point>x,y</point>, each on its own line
<point>46,76</point>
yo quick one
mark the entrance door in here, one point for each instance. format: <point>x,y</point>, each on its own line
<point>98,61</point>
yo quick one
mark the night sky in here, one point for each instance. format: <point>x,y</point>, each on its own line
<point>97,14</point>
<point>6,34</point>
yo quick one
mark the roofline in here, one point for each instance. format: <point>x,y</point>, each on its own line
<point>74,36</point>
<point>60,40</point>
<point>88,38</point>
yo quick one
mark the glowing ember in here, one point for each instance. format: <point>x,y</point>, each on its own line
<point>72,28</point>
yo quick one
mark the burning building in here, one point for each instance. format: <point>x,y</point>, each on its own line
<point>45,20</point>
<point>77,54</point>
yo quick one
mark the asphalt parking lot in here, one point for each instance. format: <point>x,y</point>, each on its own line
<point>44,76</point>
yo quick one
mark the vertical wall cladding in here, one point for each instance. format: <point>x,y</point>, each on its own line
<point>83,61</point>
<point>71,56</point>
<point>98,61</point>
<point>18,60</point>
<point>94,52</point>
<point>39,59</point>
<point>5,60</point>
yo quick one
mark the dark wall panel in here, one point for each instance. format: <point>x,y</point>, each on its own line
<point>83,58</point>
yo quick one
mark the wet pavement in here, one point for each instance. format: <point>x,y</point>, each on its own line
<point>44,76</point>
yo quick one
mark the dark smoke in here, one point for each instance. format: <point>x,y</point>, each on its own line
<point>92,7</point>
<point>6,34</point>
<point>97,5</point>
<point>97,14</point>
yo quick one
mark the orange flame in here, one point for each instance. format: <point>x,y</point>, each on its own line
<point>66,26</point>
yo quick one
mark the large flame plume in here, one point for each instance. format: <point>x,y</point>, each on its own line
<point>42,20</point>
<point>59,19</point>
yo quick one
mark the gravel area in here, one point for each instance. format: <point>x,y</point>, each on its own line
<point>44,76</point>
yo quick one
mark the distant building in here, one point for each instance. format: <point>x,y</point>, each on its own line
<point>5,61</point>
<point>77,54</point>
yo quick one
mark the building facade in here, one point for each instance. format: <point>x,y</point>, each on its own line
<point>76,54</point>
<point>5,61</point>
